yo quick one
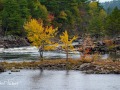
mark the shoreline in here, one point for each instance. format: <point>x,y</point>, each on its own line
<point>96,67</point>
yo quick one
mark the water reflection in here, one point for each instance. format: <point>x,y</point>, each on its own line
<point>59,80</point>
<point>35,80</point>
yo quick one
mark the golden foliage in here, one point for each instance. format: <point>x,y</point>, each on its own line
<point>93,5</point>
<point>93,8</point>
<point>86,59</point>
<point>51,47</point>
<point>96,57</point>
<point>90,58</point>
<point>38,34</point>
<point>65,40</point>
<point>102,14</point>
<point>63,15</point>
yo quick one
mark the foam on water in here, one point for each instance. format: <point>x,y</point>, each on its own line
<point>32,53</point>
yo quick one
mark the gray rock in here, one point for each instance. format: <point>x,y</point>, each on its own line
<point>84,66</point>
<point>15,70</point>
<point>89,72</point>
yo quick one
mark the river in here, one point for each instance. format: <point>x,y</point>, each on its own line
<point>30,53</point>
<point>57,80</point>
<point>50,79</point>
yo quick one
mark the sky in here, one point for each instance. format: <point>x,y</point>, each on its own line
<point>104,0</point>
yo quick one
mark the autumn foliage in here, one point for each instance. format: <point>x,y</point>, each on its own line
<point>39,35</point>
<point>67,43</point>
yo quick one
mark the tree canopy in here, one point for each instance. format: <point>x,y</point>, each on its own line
<point>40,35</point>
<point>76,16</point>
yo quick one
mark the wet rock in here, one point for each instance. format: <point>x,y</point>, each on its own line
<point>15,70</point>
<point>76,67</point>
<point>89,72</point>
<point>84,65</point>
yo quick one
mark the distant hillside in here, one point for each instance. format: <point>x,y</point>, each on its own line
<point>109,6</point>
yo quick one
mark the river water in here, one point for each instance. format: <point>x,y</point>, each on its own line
<point>57,80</point>
<point>48,79</point>
<point>30,53</point>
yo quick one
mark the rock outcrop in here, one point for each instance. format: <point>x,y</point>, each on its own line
<point>10,41</point>
<point>90,68</point>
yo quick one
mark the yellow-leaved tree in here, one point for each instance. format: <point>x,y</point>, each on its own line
<point>40,36</point>
<point>67,42</point>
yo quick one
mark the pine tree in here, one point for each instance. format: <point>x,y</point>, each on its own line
<point>24,11</point>
<point>1,9</point>
<point>97,18</point>
<point>113,23</point>
<point>11,19</point>
<point>37,10</point>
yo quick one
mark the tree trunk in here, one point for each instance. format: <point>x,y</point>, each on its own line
<point>67,54</point>
<point>41,54</point>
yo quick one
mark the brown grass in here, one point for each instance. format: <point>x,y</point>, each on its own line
<point>35,64</point>
<point>71,63</point>
<point>107,62</point>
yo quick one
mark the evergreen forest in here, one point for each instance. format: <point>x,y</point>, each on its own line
<point>76,16</point>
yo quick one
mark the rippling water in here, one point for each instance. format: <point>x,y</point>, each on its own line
<point>51,80</point>
<point>57,80</point>
<point>31,53</point>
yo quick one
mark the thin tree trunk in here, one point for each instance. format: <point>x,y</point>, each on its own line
<point>67,63</point>
<point>41,53</point>
<point>67,54</point>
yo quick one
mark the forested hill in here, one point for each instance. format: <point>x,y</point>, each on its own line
<point>76,16</point>
<point>109,6</point>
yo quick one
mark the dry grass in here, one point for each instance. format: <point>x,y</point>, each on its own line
<point>107,62</point>
<point>35,64</point>
<point>71,63</point>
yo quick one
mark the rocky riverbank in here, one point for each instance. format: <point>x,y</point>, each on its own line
<point>101,67</point>
<point>97,67</point>
<point>12,41</point>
